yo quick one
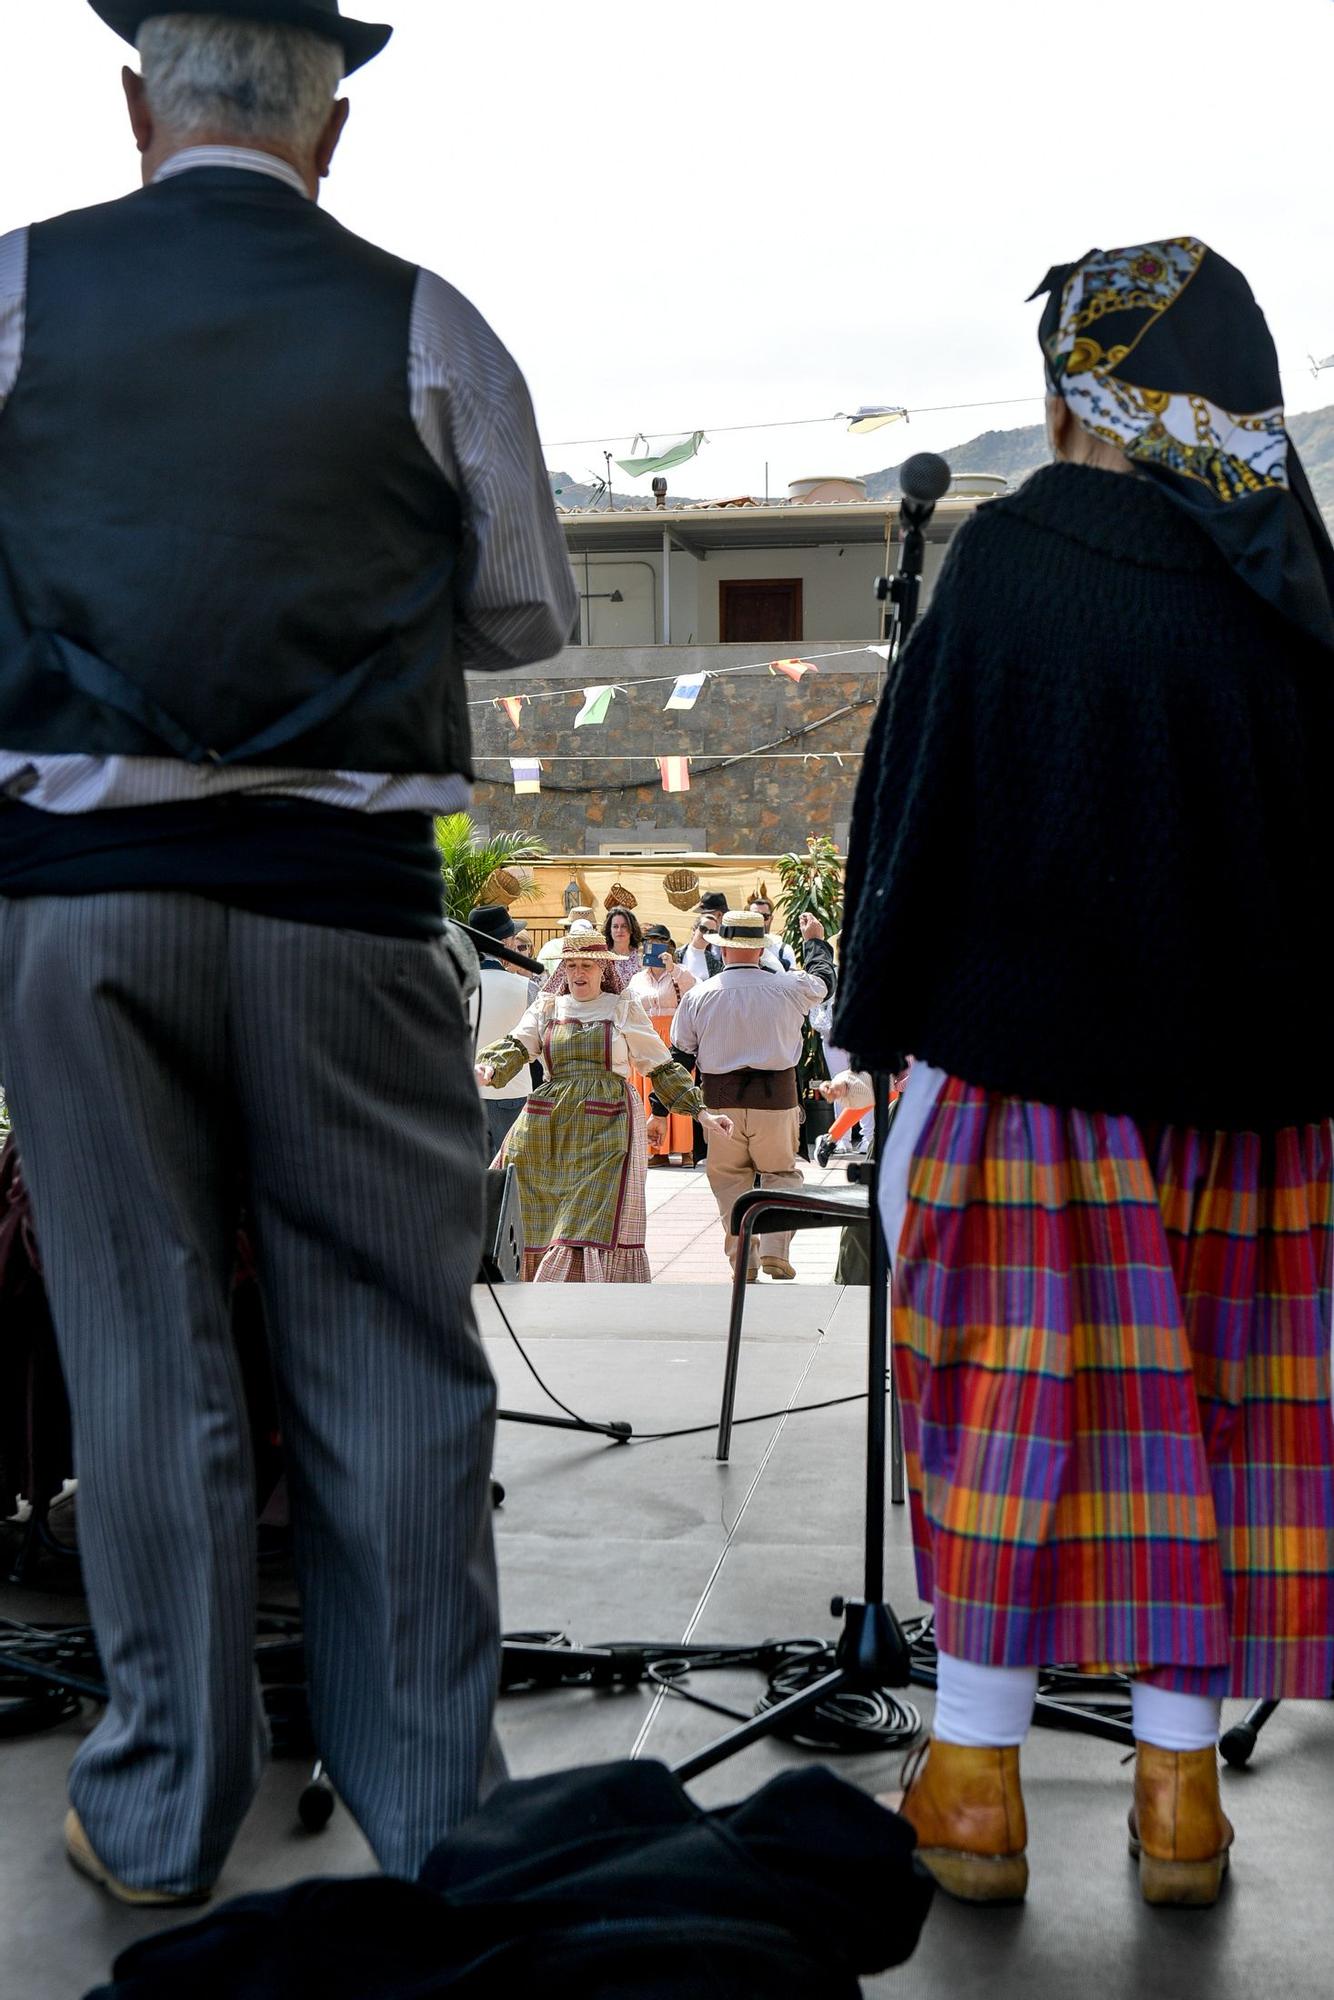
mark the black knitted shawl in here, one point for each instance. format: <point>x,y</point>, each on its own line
<point>1091,845</point>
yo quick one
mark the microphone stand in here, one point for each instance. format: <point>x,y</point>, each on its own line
<point>871,1651</point>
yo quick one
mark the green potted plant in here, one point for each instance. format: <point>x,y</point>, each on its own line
<point>812,883</point>
<point>470,865</point>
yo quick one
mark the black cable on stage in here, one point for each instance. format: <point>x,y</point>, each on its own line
<point>660,1437</point>
<point>869,1721</point>
<point>550,1394</point>
<point>760,1417</point>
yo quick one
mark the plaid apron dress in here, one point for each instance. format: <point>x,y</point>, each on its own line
<point>1112,1349</point>
<point>578,1146</point>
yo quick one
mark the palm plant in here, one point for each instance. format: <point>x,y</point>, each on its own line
<point>467,862</point>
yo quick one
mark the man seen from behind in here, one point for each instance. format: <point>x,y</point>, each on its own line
<point>265,492</point>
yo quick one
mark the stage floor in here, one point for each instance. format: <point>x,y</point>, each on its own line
<point>657,1542</point>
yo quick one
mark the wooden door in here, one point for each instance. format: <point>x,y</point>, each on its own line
<point>765,611</point>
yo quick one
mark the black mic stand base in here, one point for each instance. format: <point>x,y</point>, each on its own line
<point>872,1651</point>
<point>619,1433</point>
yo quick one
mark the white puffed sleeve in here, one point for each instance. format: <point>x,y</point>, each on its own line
<point>644,1045</point>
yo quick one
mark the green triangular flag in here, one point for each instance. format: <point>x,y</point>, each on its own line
<point>596,703</point>
<point>675,454</point>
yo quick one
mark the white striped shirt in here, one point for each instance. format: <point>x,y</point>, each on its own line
<point>746,1018</point>
<point>518,599</point>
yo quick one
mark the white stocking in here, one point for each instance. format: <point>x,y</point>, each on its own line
<point>1172,1721</point>
<point>985,1708</point>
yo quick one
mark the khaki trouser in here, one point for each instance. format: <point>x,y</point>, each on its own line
<point>763,1143</point>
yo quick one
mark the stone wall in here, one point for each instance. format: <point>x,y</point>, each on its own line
<point>763,804</point>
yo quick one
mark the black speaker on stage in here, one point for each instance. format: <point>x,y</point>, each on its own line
<point>502,1229</point>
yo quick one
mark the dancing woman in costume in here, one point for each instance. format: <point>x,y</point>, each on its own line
<point>1090,849</point>
<point>579,1146</point>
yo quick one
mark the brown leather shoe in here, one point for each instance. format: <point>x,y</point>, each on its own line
<point>1179,1833</point>
<point>84,1857</point>
<point>968,1813</point>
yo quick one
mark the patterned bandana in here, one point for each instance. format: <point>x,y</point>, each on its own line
<point>1161,350</point>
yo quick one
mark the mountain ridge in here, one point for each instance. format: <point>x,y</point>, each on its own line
<point>1016,453</point>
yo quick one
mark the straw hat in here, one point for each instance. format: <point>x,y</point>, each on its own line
<point>743,927</point>
<point>588,947</point>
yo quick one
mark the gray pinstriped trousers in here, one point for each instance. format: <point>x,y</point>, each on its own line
<point>155,1047</point>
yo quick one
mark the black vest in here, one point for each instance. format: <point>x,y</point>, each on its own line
<point>221,536</point>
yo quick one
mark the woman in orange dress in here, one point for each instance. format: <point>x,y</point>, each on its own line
<point>658,988</point>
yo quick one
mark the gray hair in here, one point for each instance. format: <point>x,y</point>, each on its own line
<point>239,79</point>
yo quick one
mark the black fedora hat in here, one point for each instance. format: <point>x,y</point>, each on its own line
<point>360,40</point>
<point>495,920</point>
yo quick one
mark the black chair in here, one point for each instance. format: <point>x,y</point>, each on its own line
<point>761,1209</point>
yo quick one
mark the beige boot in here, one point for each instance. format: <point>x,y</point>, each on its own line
<point>968,1813</point>
<point>1179,1832</point>
<point>85,1858</point>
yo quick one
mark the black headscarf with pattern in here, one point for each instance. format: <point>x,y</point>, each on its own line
<point>1162,350</point>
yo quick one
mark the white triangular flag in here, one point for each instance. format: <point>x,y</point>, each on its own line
<point>687,691</point>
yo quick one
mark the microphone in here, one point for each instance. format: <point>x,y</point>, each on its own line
<point>495,949</point>
<point>923,479</point>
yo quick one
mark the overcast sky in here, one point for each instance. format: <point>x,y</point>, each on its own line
<point>712,212</point>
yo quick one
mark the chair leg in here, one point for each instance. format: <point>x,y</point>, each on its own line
<point>733,1362</point>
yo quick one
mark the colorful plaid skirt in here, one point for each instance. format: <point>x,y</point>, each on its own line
<point>1112,1350</point>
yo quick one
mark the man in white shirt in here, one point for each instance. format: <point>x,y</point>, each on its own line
<point>503,1001</point>
<point>701,956</point>
<point>743,1030</point>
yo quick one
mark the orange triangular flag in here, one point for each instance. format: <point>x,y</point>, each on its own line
<point>512,705</point>
<point>794,669</point>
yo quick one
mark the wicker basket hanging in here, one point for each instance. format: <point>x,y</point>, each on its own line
<point>502,887</point>
<point>618,897</point>
<point>682,887</point>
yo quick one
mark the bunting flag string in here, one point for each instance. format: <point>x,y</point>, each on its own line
<point>686,691</point>
<point>666,680</point>
<point>512,705</point>
<point>675,773</point>
<point>527,774</point>
<point>597,700</point>
<point>794,669</point>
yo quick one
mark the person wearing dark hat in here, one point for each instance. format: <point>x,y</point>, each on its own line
<point>1103,760</point>
<point>701,957</point>
<point>504,1002</point>
<point>265,492</point>
<point>743,1033</point>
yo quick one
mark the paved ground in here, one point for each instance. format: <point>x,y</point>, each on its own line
<point>685,1237</point>
<point>659,1542</point>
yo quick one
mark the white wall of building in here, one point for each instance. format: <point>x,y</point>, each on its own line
<point>837,592</point>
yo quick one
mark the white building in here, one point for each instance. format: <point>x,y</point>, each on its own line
<point>720,574</point>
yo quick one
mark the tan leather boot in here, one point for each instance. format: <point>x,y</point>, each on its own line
<point>1179,1832</point>
<point>85,1858</point>
<point>968,1813</point>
